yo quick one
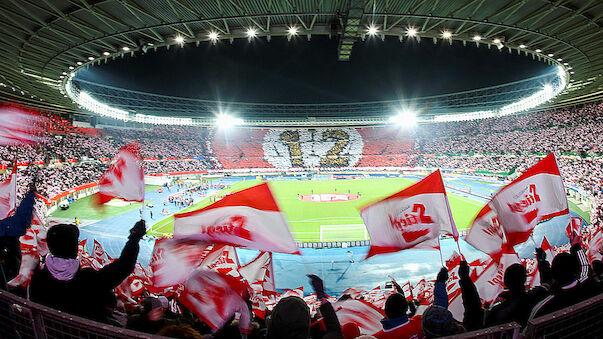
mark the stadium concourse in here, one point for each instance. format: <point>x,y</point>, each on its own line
<point>477,159</point>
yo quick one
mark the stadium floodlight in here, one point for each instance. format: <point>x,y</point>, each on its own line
<point>251,33</point>
<point>446,35</point>
<point>213,36</point>
<point>179,39</point>
<point>292,30</point>
<point>79,63</point>
<point>411,31</point>
<point>71,67</point>
<point>226,121</point>
<point>90,58</point>
<point>566,64</point>
<point>64,73</point>
<point>550,55</point>
<point>496,41</point>
<point>125,48</point>
<point>477,38</point>
<point>404,118</point>
<point>538,50</point>
<point>522,46</point>
<point>559,59</point>
<point>372,30</point>
<point>106,53</point>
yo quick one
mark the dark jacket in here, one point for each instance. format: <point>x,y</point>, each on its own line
<point>514,306</point>
<point>90,293</point>
<point>290,319</point>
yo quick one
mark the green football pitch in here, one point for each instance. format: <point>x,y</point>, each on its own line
<point>331,221</point>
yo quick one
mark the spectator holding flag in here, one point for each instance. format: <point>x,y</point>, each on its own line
<point>84,292</point>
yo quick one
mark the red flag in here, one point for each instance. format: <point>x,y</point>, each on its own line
<point>537,195</point>
<point>249,218</point>
<point>296,292</point>
<point>33,247</point>
<point>366,316</point>
<point>174,260</point>
<point>18,127</point>
<point>99,255</point>
<point>124,179</point>
<point>259,274</point>
<point>548,249</point>
<point>595,244</point>
<point>573,227</point>
<point>8,194</point>
<point>214,298</point>
<point>354,292</point>
<point>413,217</point>
<point>485,233</point>
<point>224,260</point>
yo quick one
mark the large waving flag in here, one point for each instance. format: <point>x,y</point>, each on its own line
<point>259,274</point>
<point>214,298</point>
<point>174,260</point>
<point>124,179</point>
<point>8,194</point>
<point>537,195</point>
<point>413,217</point>
<point>249,218</point>
<point>486,234</point>
<point>18,127</point>
<point>366,316</point>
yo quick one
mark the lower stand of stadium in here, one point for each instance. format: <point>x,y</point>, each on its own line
<point>20,318</point>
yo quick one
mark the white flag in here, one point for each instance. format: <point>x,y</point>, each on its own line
<point>124,179</point>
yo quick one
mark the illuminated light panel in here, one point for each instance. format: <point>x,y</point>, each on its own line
<point>411,31</point>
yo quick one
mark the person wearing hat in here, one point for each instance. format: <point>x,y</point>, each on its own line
<point>63,285</point>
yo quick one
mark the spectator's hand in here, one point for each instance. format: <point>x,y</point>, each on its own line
<point>464,269</point>
<point>540,254</point>
<point>317,285</point>
<point>575,238</point>
<point>442,275</point>
<point>138,231</point>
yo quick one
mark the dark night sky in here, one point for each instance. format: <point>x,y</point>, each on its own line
<point>304,71</point>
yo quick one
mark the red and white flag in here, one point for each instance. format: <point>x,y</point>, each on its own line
<point>595,244</point>
<point>536,196</point>
<point>33,247</point>
<point>18,127</point>
<point>174,260</point>
<point>413,217</point>
<point>8,194</point>
<point>124,179</point>
<point>366,316</point>
<point>485,233</point>
<point>213,297</point>
<point>548,249</point>
<point>296,292</point>
<point>259,274</point>
<point>99,255</point>
<point>249,218</point>
<point>224,260</point>
<point>573,227</point>
<point>354,292</point>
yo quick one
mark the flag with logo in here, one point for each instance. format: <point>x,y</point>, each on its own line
<point>366,316</point>
<point>259,274</point>
<point>214,298</point>
<point>125,177</point>
<point>173,260</point>
<point>414,217</point>
<point>485,233</point>
<point>249,218</point>
<point>536,196</point>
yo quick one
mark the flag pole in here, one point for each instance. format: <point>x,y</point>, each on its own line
<point>440,250</point>
<point>459,248</point>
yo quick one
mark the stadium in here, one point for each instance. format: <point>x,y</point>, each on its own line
<point>341,114</point>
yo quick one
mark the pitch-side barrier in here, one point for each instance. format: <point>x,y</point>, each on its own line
<point>20,318</point>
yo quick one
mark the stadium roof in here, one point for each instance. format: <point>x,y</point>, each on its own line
<point>43,41</point>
